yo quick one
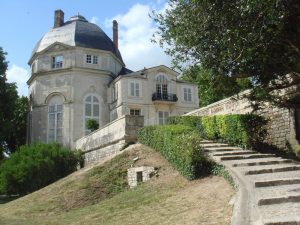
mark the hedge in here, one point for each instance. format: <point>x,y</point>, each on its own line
<point>180,145</point>
<point>32,167</point>
<point>247,130</point>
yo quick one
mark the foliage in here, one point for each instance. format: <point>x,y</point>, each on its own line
<point>240,38</point>
<point>220,170</point>
<point>213,87</point>
<point>18,133</point>
<point>35,166</point>
<point>92,124</point>
<point>13,111</point>
<point>180,146</point>
<point>243,130</point>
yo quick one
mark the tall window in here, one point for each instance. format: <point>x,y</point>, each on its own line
<point>55,119</point>
<point>187,94</point>
<point>115,92</point>
<point>57,61</point>
<point>162,117</point>
<point>162,86</point>
<point>91,111</point>
<point>134,89</point>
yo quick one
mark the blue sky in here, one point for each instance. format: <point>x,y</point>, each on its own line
<point>24,22</point>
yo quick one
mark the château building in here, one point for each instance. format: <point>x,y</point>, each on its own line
<point>77,73</point>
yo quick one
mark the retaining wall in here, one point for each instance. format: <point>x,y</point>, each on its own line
<point>110,139</point>
<point>281,121</point>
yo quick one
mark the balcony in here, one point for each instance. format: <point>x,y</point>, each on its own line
<point>170,98</point>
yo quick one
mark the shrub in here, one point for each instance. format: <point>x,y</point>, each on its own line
<point>92,124</point>
<point>243,130</point>
<point>180,145</point>
<point>35,166</point>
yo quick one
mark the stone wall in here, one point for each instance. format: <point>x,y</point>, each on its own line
<point>233,105</point>
<point>110,139</point>
<point>281,121</point>
<point>133,177</point>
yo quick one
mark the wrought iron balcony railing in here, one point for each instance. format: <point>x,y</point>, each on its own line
<point>164,97</point>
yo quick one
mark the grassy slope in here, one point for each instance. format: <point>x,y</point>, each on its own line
<point>101,196</point>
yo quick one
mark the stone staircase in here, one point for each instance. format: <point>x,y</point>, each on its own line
<point>268,186</point>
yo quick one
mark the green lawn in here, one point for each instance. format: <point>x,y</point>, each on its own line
<point>101,196</point>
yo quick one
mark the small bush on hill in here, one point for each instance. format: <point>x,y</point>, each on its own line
<point>243,130</point>
<point>180,145</point>
<point>35,166</point>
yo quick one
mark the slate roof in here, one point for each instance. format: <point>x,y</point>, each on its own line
<point>78,32</point>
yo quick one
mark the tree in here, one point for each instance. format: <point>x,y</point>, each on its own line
<point>13,111</point>
<point>236,38</point>
<point>19,121</point>
<point>35,166</point>
<point>213,87</point>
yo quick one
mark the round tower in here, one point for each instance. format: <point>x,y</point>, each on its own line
<point>71,67</point>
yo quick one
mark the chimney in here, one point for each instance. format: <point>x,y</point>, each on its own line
<point>58,18</point>
<point>115,34</point>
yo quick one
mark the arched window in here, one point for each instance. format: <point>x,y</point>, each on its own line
<point>162,86</point>
<point>55,119</point>
<point>91,111</point>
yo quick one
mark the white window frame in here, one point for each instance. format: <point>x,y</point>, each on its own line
<point>135,112</point>
<point>187,94</point>
<point>165,115</point>
<point>56,64</point>
<point>92,116</point>
<point>56,113</point>
<point>134,89</point>
<point>95,59</point>
<point>91,59</point>
<point>88,59</point>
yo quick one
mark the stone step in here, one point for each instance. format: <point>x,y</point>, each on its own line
<point>207,142</point>
<point>243,157</point>
<point>280,221</point>
<point>220,148</point>
<point>209,145</point>
<point>234,152</point>
<point>284,213</point>
<point>279,199</point>
<point>273,191</point>
<point>256,162</point>
<point>278,182</point>
<point>273,169</point>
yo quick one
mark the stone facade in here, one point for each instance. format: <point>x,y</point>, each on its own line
<point>174,102</point>
<point>281,125</point>
<point>139,174</point>
<point>110,139</point>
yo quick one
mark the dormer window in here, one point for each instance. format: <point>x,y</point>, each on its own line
<point>91,59</point>
<point>57,61</point>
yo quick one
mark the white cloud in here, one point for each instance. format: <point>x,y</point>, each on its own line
<point>94,19</point>
<point>18,75</point>
<point>135,32</point>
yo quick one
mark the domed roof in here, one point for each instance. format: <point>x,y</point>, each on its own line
<point>78,32</point>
